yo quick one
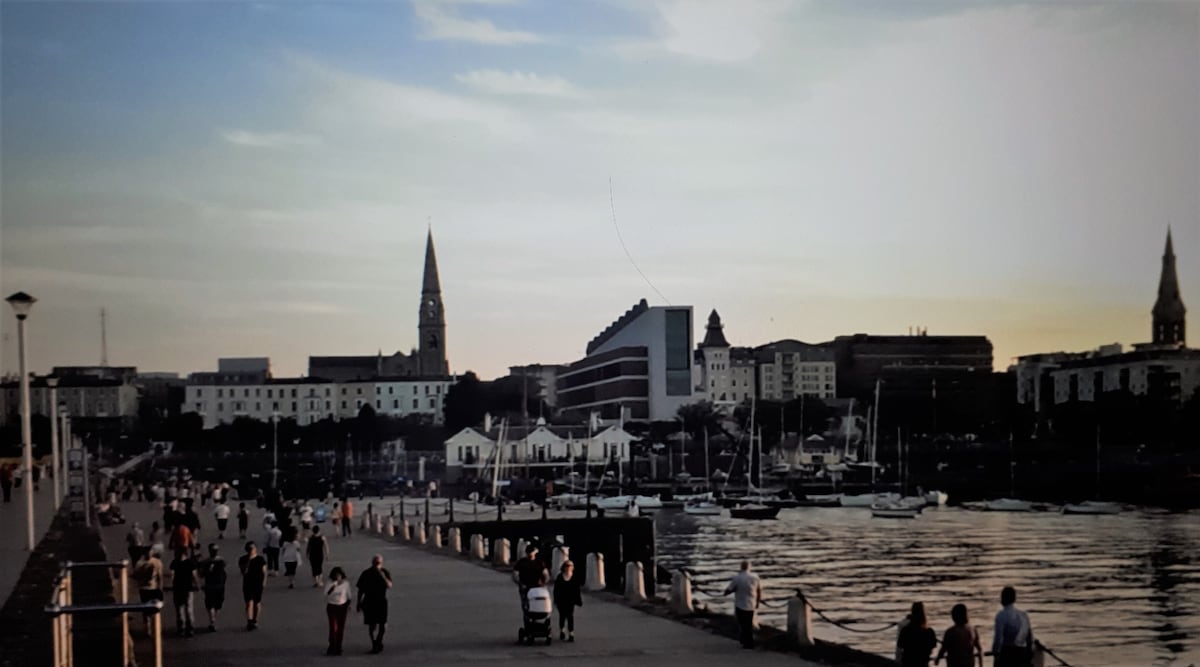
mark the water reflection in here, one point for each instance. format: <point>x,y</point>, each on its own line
<point>1101,590</point>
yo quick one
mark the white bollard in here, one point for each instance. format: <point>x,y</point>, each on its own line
<point>500,551</point>
<point>521,544</point>
<point>404,534</point>
<point>419,535</point>
<point>477,551</point>
<point>454,541</point>
<point>561,555</point>
<point>391,526</point>
<point>595,572</point>
<point>681,592</point>
<point>378,521</point>
<point>435,536</point>
<point>365,525</point>
<point>799,621</point>
<point>635,586</point>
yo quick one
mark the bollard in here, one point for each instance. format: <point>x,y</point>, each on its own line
<point>419,535</point>
<point>364,525</point>
<point>477,547</point>
<point>635,587</point>
<point>799,621</point>
<point>521,544</point>
<point>1039,655</point>
<point>681,592</point>
<point>561,555</point>
<point>377,521</point>
<point>454,540</point>
<point>391,526</point>
<point>404,535</point>
<point>500,551</point>
<point>595,572</point>
<point>435,536</point>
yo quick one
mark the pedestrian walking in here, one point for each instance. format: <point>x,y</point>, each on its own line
<point>336,518</point>
<point>1012,642</point>
<point>6,482</point>
<point>185,582</point>
<point>181,539</point>
<point>243,519</point>
<point>747,595</point>
<point>272,540</point>
<point>135,540</point>
<point>214,576</point>
<point>347,517</point>
<point>289,553</point>
<point>567,595</point>
<point>221,514</point>
<point>148,573</point>
<point>318,552</point>
<point>254,576</point>
<point>373,585</point>
<point>337,607</point>
<point>527,573</point>
<point>916,640</point>
<point>960,644</point>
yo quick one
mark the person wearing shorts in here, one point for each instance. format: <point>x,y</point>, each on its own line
<point>149,574</point>
<point>289,553</point>
<point>212,574</point>
<point>318,551</point>
<point>254,577</point>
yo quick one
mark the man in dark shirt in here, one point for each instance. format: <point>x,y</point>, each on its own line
<point>373,585</point>
<point>254,576</point>
<point>528,572</point>
<point>185,583</point>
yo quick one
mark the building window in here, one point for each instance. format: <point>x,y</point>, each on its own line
<point>274,406</point>
<point>293,393</point>
<point>414,388</point>
<point>415,406</point>
<point>426,390</point>
<point>269,393</point>
<point>343,405</point>
<point>390,389</point>
<point>220,392</point>
<point>327,392</point>
<point>343,391</point>
<point>432,403</point>
<point>199,407</point>
<point>378,404</point>
<point>246,393</point>
<point>257,406</point>
<point>396,405</point>
<point>358,391</point>
<point>220,407</point>
<point>439,389</point>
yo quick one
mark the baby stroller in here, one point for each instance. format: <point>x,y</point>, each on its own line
<point>536,615</point>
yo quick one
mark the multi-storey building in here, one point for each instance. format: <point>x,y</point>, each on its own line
<point>724,375</point>
<point>640,365</point>
<point>546,451</point>
<point>789,369</point>
<point>82,396</point>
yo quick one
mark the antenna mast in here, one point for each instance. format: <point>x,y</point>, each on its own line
<point>103,338</point>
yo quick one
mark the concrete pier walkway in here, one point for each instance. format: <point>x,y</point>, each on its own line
<point>442,611</point>
<point>14,548</point>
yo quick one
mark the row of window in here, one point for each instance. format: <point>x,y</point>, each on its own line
<point>315,405</point>
<point>232,392</point>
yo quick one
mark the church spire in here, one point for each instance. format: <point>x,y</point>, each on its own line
<point>1169,313</point>
<point>714,336</point>
<point>431,320</point>
<point>430,282</point>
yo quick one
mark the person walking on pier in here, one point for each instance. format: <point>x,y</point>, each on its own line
<point>148,573</point>
<point>254,577</point>
<point>747,595</point>
<point>1012,642</point>
<point>527,573</point>
<point>336,518</point>
<point>221,514</point>
<point>567,596</point>
<point>347,517</point>
<point>960,644</point>
<point>214,576</point>
<point>337,607</point>
<point>373,585</point>
<point>917,640</point>
<point>185,582</point>
<point>318,552</point>
<point>289,553</point>
<point>6,482</point>
<point>273,539</point>
<point>243,517</point>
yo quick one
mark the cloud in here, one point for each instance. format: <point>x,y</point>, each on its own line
<point>711,30</point>
<point>268,139</point>
<point>442,25</point>
<point>498,82</point>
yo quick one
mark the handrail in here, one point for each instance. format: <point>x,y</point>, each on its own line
<point>152,607</point>
<point>62,610</point>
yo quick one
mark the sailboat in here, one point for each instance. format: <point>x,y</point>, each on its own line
<point>873,498</point>
<point>756,509</point>
<point>1009,504</point>
<point>1094,506</point>
<point>703,504</point>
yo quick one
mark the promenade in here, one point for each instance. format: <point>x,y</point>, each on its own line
<point>14,550</point>
<point>444,610</point>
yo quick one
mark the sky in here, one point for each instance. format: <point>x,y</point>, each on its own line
<point>256,179</point>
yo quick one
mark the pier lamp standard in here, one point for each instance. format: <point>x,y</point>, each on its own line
<point>21,304</point>
<point>275,451</point>
<point>64,443</point>
<point>52,383</point>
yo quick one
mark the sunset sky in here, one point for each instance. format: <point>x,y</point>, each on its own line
<point>256,179</point>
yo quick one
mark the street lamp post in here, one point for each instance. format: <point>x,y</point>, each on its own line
<point>275,451</point>
<point>21,304</point>
<point>52,383</point>
<point>60,481</point>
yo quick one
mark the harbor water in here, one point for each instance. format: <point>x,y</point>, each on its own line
<point>1118,590</point>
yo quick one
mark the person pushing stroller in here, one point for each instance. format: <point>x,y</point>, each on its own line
<point>529,573</point>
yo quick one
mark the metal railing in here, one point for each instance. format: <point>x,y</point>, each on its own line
<point>62,611</point>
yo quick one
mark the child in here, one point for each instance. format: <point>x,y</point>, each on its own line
<point>567,596</point>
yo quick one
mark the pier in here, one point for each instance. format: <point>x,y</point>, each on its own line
<point>443,610</point>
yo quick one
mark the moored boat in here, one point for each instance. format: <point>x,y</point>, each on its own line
<point>754,512</point>
<point>703,508</point>
<point>867,499</point>
<point>1007,505</point>
<point>936,498</point>
<point>1092,507</point>
<point>894,511</point>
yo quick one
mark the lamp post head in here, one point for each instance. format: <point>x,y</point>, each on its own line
<point>21,303</point>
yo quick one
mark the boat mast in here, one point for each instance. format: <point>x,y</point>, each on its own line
<point>899,463</point>
<point>875,434</point>
<point>707,472</point>
<point>1097,462</point>
<point>749,461</point>
<point>849,419</point>
<point>1012,468</point>
<point>499,459</point>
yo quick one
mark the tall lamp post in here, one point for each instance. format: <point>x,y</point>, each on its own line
<point>52,383</point>
<point>64,436</point>
<point>275,451</point>
<point>21,304</point>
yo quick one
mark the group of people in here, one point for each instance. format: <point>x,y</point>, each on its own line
<point>531,576</point>
<point>1012,640</point>
<point>12,475</point>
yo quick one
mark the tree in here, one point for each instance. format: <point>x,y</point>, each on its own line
<point>465,403</point>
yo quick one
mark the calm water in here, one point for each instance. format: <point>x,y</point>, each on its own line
<point>1101,590</point>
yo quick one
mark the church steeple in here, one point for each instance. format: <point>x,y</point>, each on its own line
<point>1169,314</point>
<point>714,336</point>
<point>431,327</point>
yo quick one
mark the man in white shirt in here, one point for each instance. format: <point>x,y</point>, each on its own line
<point>274,537</point>
<point>747,595</point>
<point>222,515</point>
<point>1012,643</point>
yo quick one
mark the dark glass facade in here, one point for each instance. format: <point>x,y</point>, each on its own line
<point>678,361</point>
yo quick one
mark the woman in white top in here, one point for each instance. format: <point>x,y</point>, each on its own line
<point>289,553</point>
<point>337,606</point>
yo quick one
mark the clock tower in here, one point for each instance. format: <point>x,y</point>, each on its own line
<point>431,321</point>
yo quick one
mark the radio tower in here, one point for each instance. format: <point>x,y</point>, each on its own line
<point>103,338</point>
